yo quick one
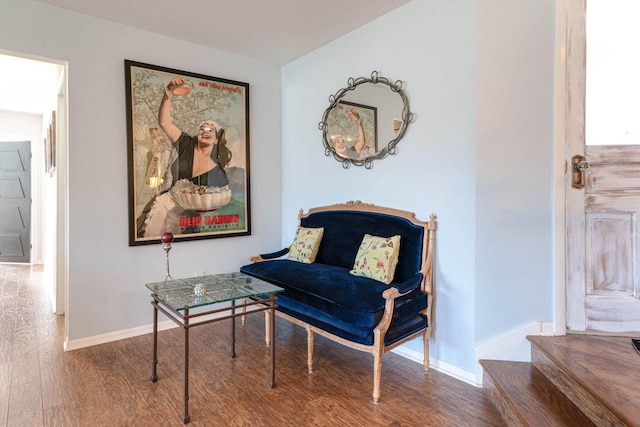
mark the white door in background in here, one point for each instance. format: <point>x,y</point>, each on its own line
<point>603,186</point>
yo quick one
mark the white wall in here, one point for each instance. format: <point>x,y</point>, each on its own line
<point>479,154</point>
<point>514,240</point>
<point>106,276</point>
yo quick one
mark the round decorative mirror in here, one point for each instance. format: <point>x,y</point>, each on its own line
<point>365,120</point>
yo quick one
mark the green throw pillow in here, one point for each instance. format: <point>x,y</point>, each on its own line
<point>305,246</point>
<point>377,258</point>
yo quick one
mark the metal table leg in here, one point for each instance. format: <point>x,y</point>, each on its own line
<point>185,417</point>
<point>233,329</point>
<point>272,338</point>
<point>154,375</point>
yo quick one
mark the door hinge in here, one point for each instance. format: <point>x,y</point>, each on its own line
<point>30,155</point>
<point>30,201</point>
<point>30,247</point>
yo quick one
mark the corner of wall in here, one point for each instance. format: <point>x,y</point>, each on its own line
<point>438,365</point>
<point>512,346</point>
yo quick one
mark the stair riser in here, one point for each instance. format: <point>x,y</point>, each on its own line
<point>589,405</point>
<point>502,403</point>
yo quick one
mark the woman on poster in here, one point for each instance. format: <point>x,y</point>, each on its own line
<point>357,150</point>
<point>201,159</point>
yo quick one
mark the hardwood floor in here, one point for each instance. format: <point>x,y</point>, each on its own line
<point>108,385</point>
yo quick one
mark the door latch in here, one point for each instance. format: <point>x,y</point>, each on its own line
<point>579,166</point>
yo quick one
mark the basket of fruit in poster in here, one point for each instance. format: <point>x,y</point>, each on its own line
<point>201,198</point>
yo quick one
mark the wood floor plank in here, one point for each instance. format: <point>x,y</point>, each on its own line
<point>25,405</point>
<point>61,416</point>
<point>25,367</point>
<point>4,411</point>
<point>55,379</point>
<point>5,381</point>
<point>7,331</point>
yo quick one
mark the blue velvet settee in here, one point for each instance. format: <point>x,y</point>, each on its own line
<point>324,296</point>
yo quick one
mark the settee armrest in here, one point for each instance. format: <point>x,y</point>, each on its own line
<point>271,255</point>
<point>390,295</point>
<point>408,285</point>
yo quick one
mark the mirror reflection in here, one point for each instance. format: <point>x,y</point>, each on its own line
<point>353,130</point>
<point>365,121</point>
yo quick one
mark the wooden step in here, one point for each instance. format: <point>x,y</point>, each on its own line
<point>525,397</point>
<point>601,375</point>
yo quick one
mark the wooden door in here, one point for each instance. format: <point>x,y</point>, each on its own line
<point>15,201</point>
<point>602,217</point>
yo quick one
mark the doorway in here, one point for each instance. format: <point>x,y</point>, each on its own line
<point>32,90</point>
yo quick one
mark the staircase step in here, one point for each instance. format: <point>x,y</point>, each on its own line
<point>600,374</point>
<point>525,397</point>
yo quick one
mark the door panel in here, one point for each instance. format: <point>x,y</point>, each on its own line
<point>615,169</point>
<point>601,319</point>
<point>610,254</point>
<point>15,201</point>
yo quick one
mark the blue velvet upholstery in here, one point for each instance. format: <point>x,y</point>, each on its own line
<point>324,294</point>
<point>358,335</point>
<point>331,298</point>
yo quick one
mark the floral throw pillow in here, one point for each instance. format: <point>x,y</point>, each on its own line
<point>305,245</point>
<point>377,258</point>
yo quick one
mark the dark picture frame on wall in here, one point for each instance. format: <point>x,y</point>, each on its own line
<point>50,146</point>
<point>187,154</point>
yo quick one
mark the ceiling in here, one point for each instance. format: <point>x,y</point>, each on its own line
<point>273,31</point>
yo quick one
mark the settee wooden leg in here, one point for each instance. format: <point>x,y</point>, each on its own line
<point>425,361</point>
<point>243,318</point>
<point>310,342</point>
<point>377,374</point>
<point>267,328</point>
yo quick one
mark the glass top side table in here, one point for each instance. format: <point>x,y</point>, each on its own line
<point>175,298</point>
<point>180,294</point>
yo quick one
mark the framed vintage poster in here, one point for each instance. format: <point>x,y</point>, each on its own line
<point>353,130</point>
<point>188,154</point>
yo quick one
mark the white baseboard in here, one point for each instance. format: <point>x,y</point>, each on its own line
<point>437,365</point>
<point>512,346</point>
<point>70,345</point>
